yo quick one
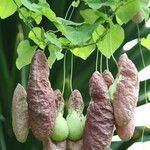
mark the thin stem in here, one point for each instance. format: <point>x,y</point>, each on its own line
<point>64,72</point>
<point>71,13</point>
<point>110,40</point>
<point>112,52</point>
<point>115,60</point>
<point>139,41</point>
<point>23,70</point>
<point>107,65</point>
<point>23,77</point>
<point>96,63</point>
<point>142,137</point>
<point>143,62</point>
<point>3,145</point>
<point>71,74</point>
<point>66,15</point>
<point>101,63</point>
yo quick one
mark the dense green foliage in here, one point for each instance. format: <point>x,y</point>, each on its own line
<point>87,26</point>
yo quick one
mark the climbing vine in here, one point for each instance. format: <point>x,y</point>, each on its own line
<point>100,28</point>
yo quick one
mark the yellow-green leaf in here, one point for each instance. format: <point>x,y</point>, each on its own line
<point>55,53</point>
<point>89,15</point>
<point>83,52</point>
<point>146,42</point>
<point>25,54</point>
<point>37,35</point>
<point>8,7</point>
<point>127,10</point>
<point>98,32</point>
<point>111,41</point>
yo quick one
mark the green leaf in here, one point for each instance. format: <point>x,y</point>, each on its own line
<point>37,35</point>
<point>96,4</point>
<point>65,22</point>
<point>98,32</point>
<point>48,13</point>
<point>31,6</point>
<point>145,9</point>
<point>42,7</point>
<point>89,15</point>
<point>53,39</point>
<point>119,21</point>
<point>126,12</point>
<point>55,53</point>
<point>146,42</point>
<point>27,15</point>
<point>51,58</point>
<point>8,8</point>
<point>25,54</point>
<point>24,14</point>
<point>78,35</point>
<point>65,42</point>
<point>42,1</point>
<point>111,41</point>
<point>59,55</point>
<point>83,52</point>
<point>37,17</point>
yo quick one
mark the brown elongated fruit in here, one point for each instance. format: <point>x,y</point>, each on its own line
<point>40,98</point>
<point>127,91</point>
<point>20,114</point>
<point>126,132</point>
<point>99,124</point>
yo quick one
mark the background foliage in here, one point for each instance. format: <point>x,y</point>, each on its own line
<point>15,29</point>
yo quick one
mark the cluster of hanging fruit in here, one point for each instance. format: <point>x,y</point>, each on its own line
<point>41,109</point>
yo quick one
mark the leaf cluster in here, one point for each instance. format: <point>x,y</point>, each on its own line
<point>100,29</point>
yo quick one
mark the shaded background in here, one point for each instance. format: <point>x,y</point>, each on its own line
<point>10,75</point>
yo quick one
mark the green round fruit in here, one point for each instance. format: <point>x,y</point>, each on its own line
<point>75,126</point>
<point>60,132</point>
